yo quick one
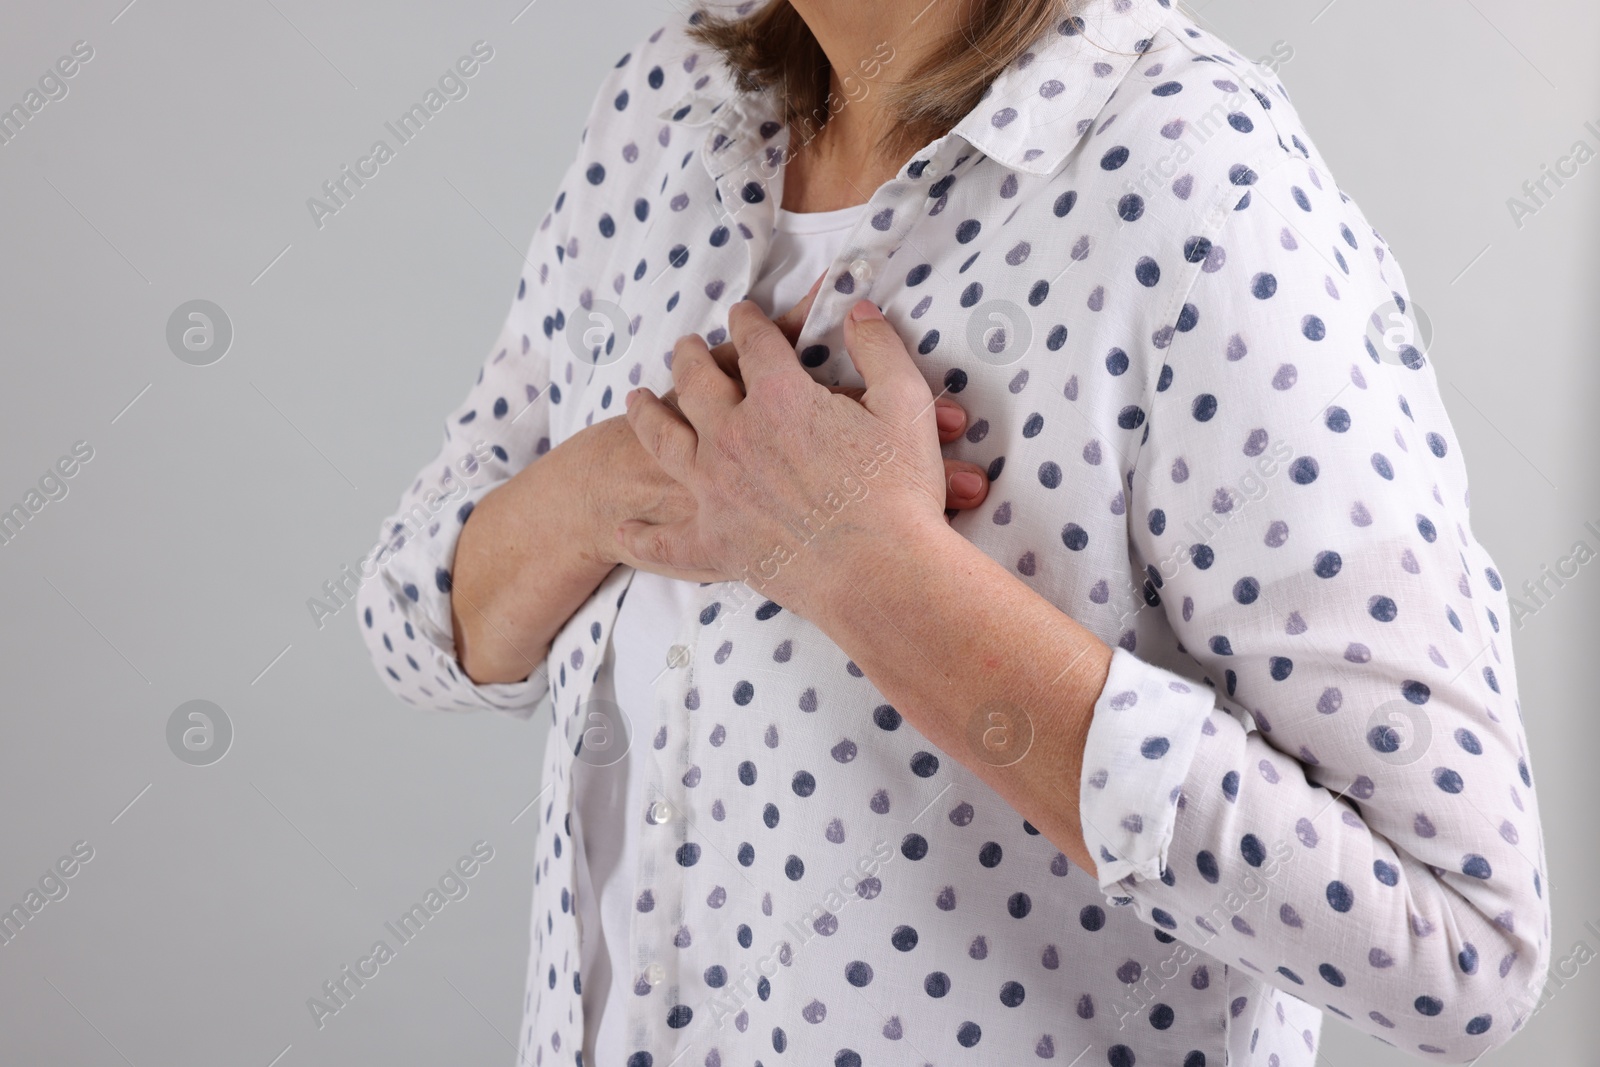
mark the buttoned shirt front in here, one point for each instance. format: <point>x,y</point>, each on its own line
<point>1305,781</point>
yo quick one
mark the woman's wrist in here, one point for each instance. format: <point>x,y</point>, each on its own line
<point>600,489</point>
<point>866,561</point>
<point>526,559</point>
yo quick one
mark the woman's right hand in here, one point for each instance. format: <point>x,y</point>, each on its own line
<point>621,481</point>
<point>536,547</point>
<point>625,482</point>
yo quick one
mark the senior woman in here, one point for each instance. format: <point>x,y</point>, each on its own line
<point>1059,635</point>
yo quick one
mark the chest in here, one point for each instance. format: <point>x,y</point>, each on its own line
<point>1031,300</point>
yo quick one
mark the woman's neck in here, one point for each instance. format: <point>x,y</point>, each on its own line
<point>844,163</point>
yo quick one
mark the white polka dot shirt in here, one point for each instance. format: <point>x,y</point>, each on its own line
<point>1306,781</point>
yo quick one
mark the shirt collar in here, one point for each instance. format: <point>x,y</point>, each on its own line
<point>1030,118</point>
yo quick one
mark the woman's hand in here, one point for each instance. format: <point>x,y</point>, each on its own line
<point>793,484</point>
<point>627,483</point>
<point>622,482</point>
<point>961,493</point>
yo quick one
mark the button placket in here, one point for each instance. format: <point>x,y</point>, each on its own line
<point>865,258</point>
<point>656,958</point>
<point>659,811</point>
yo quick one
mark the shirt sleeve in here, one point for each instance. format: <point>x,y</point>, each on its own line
<point>1344,807</point>
<point>501,427</point>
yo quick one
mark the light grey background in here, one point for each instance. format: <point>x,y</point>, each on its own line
<point>179,563</point>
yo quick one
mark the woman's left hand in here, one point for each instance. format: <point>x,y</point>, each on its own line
<point>795,485</point>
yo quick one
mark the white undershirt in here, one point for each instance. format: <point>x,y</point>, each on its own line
<point>611,799</point>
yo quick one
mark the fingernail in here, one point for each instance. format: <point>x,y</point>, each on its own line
<point>965,484</point>
<point>948,418</point>
<point>865,309</point>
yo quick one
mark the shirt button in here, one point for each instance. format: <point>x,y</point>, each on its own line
<point>931,170</point>
<point>679,656</point>
<point>861,271</point>
<point>658,813</point>
<point>655,974</point>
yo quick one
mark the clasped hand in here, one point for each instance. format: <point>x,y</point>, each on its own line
<point>792,482</point>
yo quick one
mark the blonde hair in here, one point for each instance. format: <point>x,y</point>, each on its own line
<point>773,49</point>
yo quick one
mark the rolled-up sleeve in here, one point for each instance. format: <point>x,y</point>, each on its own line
<point>501,427</point>
<point>1143,736</point>
<point>1335,795</point>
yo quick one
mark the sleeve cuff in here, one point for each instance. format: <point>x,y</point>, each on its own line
<point>1146,726</point>
<point>417,579</point>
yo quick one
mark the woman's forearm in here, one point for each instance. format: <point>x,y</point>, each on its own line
<point>525,562</point>
<point>535,548</point>
<point>987,669</point>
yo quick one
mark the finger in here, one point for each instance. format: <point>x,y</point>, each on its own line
<point>764,352</point>
<point>966,484</point>
<point>703,389</point>
<point>666,545</point>
<point>951,418</point>
<point>697,571</point>
<point>789,323</point>
<point>681,574</point>
<point>894,385</point>
<point>727,358</point>
<point>662,432</point>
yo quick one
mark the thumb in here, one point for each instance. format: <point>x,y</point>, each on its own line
<point>791,321</point>
<point>893,382</point>
<point>659,545</point>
